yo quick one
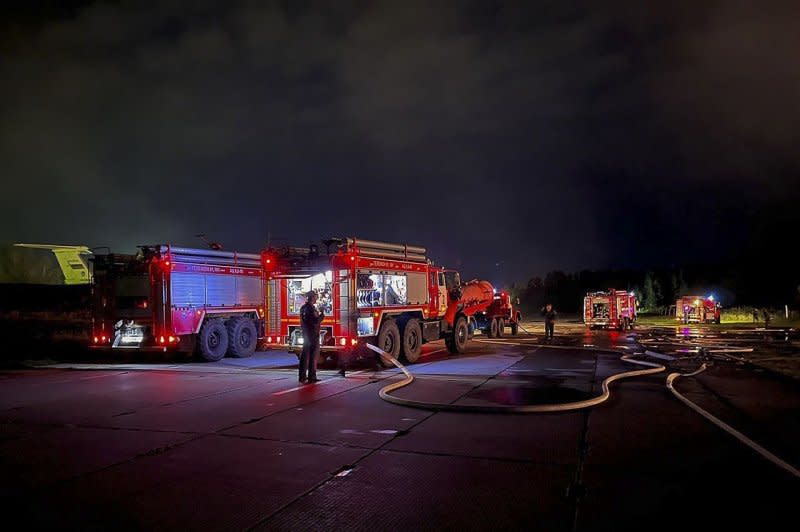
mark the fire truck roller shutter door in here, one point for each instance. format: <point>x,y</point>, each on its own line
<point>417,291</point>
<point>249,290</point>
<point>220,290</point>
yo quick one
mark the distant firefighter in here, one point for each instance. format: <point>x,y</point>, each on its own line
<point>549,314</point>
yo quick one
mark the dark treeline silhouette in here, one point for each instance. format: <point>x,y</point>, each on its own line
<point>740,285</point>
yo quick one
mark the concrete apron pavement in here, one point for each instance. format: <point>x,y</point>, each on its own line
<point>240,444</point>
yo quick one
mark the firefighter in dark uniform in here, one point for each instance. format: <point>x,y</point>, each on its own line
<point>310,319</point>
<point>549,314</point>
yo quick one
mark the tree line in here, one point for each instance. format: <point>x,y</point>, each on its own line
<point>657,290</point>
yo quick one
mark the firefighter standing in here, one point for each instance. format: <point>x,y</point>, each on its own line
<point>310,319</point>
<point>549,314</point>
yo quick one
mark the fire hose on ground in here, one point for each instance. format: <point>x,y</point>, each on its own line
<point>385,392</point>
<point>672,377</point>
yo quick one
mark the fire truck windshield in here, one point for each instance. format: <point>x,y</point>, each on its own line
<point>298,288</point>
<point>452,279</point>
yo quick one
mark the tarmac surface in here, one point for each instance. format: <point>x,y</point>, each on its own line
<point>240,444</point>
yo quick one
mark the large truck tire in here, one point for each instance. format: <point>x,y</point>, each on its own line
<point>242,337</point>
<point>514,328</point>
<point>491,331</point>
<point>412,341</point>
<point>457,341</point>
<point>213,340</point>
<point>389,340</point>
<point>501,326</point>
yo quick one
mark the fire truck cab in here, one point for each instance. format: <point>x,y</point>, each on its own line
<point>697,309</point>
<point>614,309</point>
<point>182,299</point>
<point>387,294</point>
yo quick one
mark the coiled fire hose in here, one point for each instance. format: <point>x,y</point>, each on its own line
<point>385,392</point>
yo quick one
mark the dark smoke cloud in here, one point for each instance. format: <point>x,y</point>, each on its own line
<point>509,137</point>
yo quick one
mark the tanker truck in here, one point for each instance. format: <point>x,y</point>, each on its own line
<point>387,294</point>
<point>485,309</point>
<point>500,314</point>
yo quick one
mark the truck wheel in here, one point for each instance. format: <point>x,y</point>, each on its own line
<point>458,341</point>
<point>242,337</point>
<point>501,325</point>
<point>492,330</point>
<point>389,341</point>
<point>514,328</point>
<point>412,341</point>
<point>213,340</point>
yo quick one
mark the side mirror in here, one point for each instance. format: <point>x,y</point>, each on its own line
<point>516,301</point>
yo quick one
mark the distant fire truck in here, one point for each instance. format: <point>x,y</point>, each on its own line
<point>181,299</point>
<point>614,309</point>
<point>498,315</point>
<point>388,294</point>
<point>697,309</point>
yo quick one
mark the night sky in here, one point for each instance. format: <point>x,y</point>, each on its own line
<point>509,138</point>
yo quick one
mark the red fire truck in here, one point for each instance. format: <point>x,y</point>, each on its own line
<point>384,293</point>
<point>614,309</point>
<point>697,309</point>
<point>499,315</point>
<point>181,299</point>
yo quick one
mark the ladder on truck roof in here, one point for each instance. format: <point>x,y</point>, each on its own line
<point>209,256</point>
<point>380,250</point>
<point>304,261</point>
